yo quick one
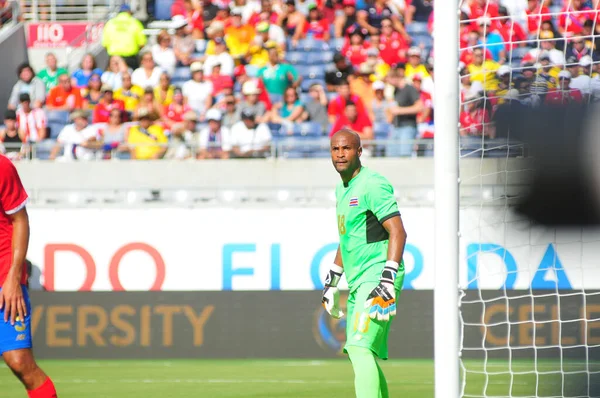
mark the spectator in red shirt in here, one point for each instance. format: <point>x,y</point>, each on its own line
<point>356,49</point>
<point>106,104</point>
<point>393,46</point>
<point>31,122</point>
<point>338,104</point>
<point>315,25</point>
<point>219,81</point>
<point>241,76</point>
<point>64,97</point>
<point>266,14</point>
<point>572,17</point>
<point>564,95</point>
<point>475,117</point>
<point>510,30</point>
<point>425,117</point>
<point>173,113</point>
<point>353,119</point>
<point>481,8</point>
<point>466,53</point>
<point>536,14</point>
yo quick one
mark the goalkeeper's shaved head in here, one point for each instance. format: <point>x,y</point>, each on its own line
<point>345,153</point>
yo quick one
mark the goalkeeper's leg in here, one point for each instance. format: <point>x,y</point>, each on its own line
<point>369,381</point>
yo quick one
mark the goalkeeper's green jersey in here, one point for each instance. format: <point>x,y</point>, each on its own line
<point>362,206</point>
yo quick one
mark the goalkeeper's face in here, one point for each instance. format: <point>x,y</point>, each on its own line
<point>345,152</point>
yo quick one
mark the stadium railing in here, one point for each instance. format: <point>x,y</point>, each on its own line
<point>71,10</point>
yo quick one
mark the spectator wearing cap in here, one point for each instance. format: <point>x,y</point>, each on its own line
<point>266,14</point>
<point>165,90</point>
<point>354,120</point>
<point>229,111</point>
<point>483,71</point>
<point>163,54</point>
<point>380,68</point>
<point>129,93</point>
<point>292,20</point>
<point>32,122</point>
<point>148,74</point>
<point>198,91</point>
<point>547,46</point>
<point>266,32</point>
<point>241,77</point>
<point>346,19</point>
<point>415,64</point>
<point>251,93</point>
<point>572,65</point>
<point>278,76</point>
<point>536,13</point>
<point>124,35</point>
<point>106,104</point>
<point>404,112</point>
<point>147,140</point>
<point>49,75</point>
<point>338,104</point>
<point>504,74</point>
<point>148,104</point>
<point>239,35</point>
<point>511,31</point>
<point>577,48</point>
<point>378,111</point>
<point>564,95</point>
<point>30,84</point>
<point>11,138</point>
<point>191,12</point>
<point>215,30</point>
<point>475,119</point>
<point>173,113</point>
<point>78,141</point>
<point>214,141</point>
<point>491,39</point>
<point>289,111</point>
<point>573,16</point>
<point>64,97</point>
<point>338,72</point>
<point>583,81</point>
<point>93,92</point>
<point>87,69</point>
<point>547,71</point>
<point>361,83</point>
<point>183,137</point>
<point>220,82</point>
<point>355,50</point>
<point>315,26</point>
<point>221,57</point>
<point>250,139</point>
<point>184,44</point>
<point>315,107</point>
<point>393,45</point>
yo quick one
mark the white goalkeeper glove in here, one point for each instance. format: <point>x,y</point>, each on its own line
<point>331,295</point>
<point>381,303</point>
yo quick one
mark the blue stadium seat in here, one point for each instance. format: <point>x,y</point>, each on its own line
<point>307,129</point>
<point>296,57</point>
<point>381,130</point>
<point>312,45</point>
<point>324,57</point>
<point>416,28</point>
<point>311,71</point>
<point>43,149</point>
<point>422,40</point>
<point>337,43</point>
<point>305,85</point>
<point>55,128</point>
<point>181,74</point>
<point>275,129</point>
<point>304,98</point>
<point>162,9</point>
<point>58,116</point>
<point>275,98</point>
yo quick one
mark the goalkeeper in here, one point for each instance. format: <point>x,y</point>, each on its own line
<point>372,239</point>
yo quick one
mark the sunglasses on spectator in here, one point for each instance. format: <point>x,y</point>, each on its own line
<point>64,80</point>
<point>95,79</point>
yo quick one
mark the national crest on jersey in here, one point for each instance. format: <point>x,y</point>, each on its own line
<point>353,202</point>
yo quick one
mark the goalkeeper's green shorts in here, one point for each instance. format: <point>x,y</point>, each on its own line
<point>362,331</point>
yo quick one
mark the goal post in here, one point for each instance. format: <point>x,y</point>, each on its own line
<point>446,238</point>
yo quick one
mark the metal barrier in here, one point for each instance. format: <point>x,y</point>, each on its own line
<point>71,10</point>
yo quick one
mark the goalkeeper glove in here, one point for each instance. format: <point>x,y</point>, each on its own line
<point>331,295</point>
<point>381,303</point>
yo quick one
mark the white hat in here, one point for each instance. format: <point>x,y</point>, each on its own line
<point>196,66</point>
<point>503,70</point>
<point>586,60</point>
<point>564,74</point>
<point>250,88</point>
<point>414,51</point>
<point>484,21</point>
<point>214,114</point>
<point>378,85</point>
<point>178,21</point>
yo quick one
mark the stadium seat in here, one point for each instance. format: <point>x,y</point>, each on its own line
<point>422,40</point>
<point>182,74</point>
<point>324,57</point>
<point>55,128</point>
<point>304,98</point>
<point>312,45</point>
<point>381,130</point>
<point>307,129</point>
<point>311,71</point>
<point>58,116</point>
<point>275,98</point>
<point>337,43</point>
<point>43,149</point>
<point>519,52</point>
<point>416,28</point>
<point>296,57</point>
<point>162,9</point>
<point>275,129</point>
<point>305,85</point>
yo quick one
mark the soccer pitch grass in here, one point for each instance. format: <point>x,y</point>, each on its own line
<point>274,378</point>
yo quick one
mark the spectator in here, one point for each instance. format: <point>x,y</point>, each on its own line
<point>492,40</point>
<point>88,68</point>
<point>215,30</point>
<point>198,91</point>
<point>270,33</point>
<point>250,139</point>
<point>129,93</point>
<point>164,91</point>
<point>338,104</point>
<point>511,31</point>
<point>583,81</point>
<point>32,122</point>
<point>148,104</point>
<point>124,35</point>
<point>547,72</point>
<point>418,11</point>
<point>483,71</point>
<point>339,72</point>
<point>113,75</point>
<point>475,117</point>
<point>361,85</point>
<point>251,100</point>
<point>316,106</point>
<point>195,22</point>
<point>64,97</point>
<point>11,137</point>
<point>30,84</point>
<point>356,49</point>
<point>230,115</point>
<point>425,117</point>
<point>172,114</point>
<point>241,76</point>
<point>315,26</point>
<point>220,57</point>
<point>408,105</point>
<point>78,140</point>
<point>277,76</point>
<point>147,75</point>
<point>473,43</point>
<point>482,8</point>
<point>393,46</point>
<point>288,112</point>
<point>371,16</point>
<point>572,17</point>
<point>572,65</point>
<point>223,15</point>
<point>292,20</point>
<point>184,44</point>
<point>209,10</point>
<point>147,140</point>
<point>239,36</point>
<point>266,14</point>
<point>182,137</point>
<point>106,104</point>
<point>547,45</point>
<point>49,75</point>
<point>93,92</point>
<point>380,69</point>
<point>162,53</point>
<point>345,20</point>
<point>219,81</point>
<point>564,95</point>
<point>504,83</point>
<point>113,134</point>
<point>415,65</point>
<point>353,120</point>
<point>259,55</point>
<point>536,13</point>
<point>577,48</point>
<point>378,111</point>
<point>214,140</point>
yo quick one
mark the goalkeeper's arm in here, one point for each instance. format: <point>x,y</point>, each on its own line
<point>330,300</point>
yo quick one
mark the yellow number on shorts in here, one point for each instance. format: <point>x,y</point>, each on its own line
<point>342,224</point>
<point>361,322</point>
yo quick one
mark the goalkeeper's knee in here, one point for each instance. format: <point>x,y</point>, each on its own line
<point>366,373</point>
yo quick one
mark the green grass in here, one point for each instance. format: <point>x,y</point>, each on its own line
<point>276,379</point>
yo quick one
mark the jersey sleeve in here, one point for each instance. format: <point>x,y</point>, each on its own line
<point>12,194</point>
<point>380,199</point>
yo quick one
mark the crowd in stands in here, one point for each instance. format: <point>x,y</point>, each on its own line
<point>233,78</point>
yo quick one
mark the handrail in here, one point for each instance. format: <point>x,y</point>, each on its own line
<point>77,10</point>
<point>15,10</point>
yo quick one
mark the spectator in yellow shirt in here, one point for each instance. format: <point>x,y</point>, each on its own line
<point>414,65</point>
<point>238,35</point>
<point>216,29</point>
<point>124,35</point>
<point>129,93</point>
<point>165,90</point>
<point>147,141</point>
<point>483,71</point>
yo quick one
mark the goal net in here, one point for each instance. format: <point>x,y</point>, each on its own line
<point>529,294</point>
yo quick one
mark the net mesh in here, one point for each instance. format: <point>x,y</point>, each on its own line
<point>530,297</point>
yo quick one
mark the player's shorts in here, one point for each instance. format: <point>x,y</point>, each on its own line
<point>361,330</point>
<point>17,336</point>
